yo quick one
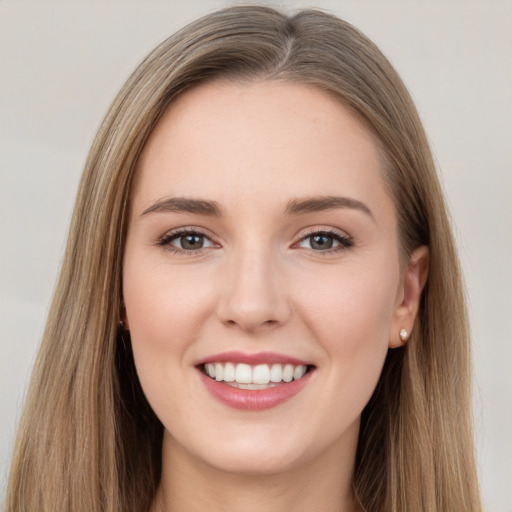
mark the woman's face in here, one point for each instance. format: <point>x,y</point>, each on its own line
<point>262,244</point>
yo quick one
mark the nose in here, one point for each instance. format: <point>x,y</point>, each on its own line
<point>253,296</point>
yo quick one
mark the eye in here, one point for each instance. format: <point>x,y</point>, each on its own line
<point>186,241</point>
<point>326,241</point>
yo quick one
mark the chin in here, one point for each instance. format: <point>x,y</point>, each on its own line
<point>254,462</point>
<point>251,453</point>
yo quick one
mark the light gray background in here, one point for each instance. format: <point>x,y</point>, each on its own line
<point>61,64</point>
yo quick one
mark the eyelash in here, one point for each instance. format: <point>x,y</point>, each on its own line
<point>166,240</point>
<point>344,241</point>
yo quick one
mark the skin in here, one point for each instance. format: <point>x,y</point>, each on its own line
<point>258,284</point>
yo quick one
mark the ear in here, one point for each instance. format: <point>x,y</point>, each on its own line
<point>409,296</point>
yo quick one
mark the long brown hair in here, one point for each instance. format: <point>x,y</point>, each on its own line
<point>88,441</point>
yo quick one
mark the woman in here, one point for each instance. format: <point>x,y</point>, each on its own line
<point>260,303</point>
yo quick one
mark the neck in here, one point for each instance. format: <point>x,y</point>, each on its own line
<point>188,484</point>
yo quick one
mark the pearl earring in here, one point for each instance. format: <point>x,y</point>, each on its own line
<point>404,335</point>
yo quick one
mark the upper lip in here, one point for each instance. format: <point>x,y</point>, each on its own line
<point>252,358</point>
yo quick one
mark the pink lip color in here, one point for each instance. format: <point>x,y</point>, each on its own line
<point>249,399</point>
<point>253,400</point>
<point>252,359</point>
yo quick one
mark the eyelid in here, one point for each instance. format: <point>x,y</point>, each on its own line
<point>345,241</point>
<point>321,228</point>
<point>165,239</point>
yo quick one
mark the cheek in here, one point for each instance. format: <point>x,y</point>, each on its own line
<point>350,303</point>
<point>164,305</point>
<point>165,314</point>
<point>351,314</point>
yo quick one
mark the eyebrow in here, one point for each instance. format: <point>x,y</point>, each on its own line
<point>293,207</point>
<point>183,204</point>
<point>322,203</point>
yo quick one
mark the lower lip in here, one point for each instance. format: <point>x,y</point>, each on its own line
<point>253,399</point>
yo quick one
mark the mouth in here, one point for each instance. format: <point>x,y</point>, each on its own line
<point>254,377</point>
<point>254,382</point>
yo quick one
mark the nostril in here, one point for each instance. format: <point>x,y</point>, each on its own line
<point>251,324</point>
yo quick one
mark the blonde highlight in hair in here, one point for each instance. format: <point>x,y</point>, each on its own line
<point>88,440</point>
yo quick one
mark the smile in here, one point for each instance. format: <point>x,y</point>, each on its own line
<point>261,376</point>
<point>254,381</point>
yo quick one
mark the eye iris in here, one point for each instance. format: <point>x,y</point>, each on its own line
<point>321,242</point>
<point>190,242</point>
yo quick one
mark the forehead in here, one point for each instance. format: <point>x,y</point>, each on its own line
<point>246,140</point>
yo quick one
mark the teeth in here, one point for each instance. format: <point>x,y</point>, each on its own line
<point>297,372</point>
<point>243,373</point>
<point>276,373</point>
<point>252,386</point>
<point>288,373</point>
<point>229,372</point>
<point>219,372</point>
<point>260,376</point>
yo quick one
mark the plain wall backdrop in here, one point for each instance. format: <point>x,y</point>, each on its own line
<point>61,64</point>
